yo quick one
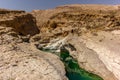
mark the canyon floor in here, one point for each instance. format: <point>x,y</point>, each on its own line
<point>47,44</point>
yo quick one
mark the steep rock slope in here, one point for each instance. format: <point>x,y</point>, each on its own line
<point>81,16</point>
<point>21,60</point>
<point>90,33</point>
<point>23,23</point>
<point>106,44</point>
<point>95,59</point>
<point>79,20</point>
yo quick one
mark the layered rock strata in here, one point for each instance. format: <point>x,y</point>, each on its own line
<point>90,33</point>
<point>21,60</point>
<point>76,21</point>
<point>23,23</point>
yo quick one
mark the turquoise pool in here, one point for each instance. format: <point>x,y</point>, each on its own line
<point>73,71</point>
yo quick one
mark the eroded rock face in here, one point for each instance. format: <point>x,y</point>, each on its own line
<point>76,19</point>
<point>21,60</point>
<point>29,64</point>
<point>23,23</point>
<point>89,58</point>
<point>106,45</point>
<point>82,24</point>
<point>92,30</point>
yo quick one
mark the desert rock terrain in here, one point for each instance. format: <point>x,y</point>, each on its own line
<point>91,33</point>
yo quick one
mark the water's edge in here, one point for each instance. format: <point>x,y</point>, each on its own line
<point>73,71</point>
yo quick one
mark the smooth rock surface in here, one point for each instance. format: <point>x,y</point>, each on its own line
<point>90,59</point>
<point>106,45</point>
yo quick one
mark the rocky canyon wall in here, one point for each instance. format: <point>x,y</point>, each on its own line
<point>75,21</point>
<point>91,34</point>
<point>20,59</point>
<point>23,23</point>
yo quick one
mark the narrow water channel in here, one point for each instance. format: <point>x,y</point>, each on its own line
<point>73,71</point>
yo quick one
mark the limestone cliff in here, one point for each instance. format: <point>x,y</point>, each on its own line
<point>21,60</point>
<point>23,23</point>
<point>76,21</point>
<point>91,34</point>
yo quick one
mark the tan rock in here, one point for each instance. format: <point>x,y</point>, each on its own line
<point>89,59</point>
<point>107,49</point>
<point>92,29</point>
<point>18,64</point>
<point>21,60</point>
<point>23,23</point>
<point>86,21</point>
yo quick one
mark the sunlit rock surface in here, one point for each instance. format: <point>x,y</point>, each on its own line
<point>91,34</point>
<point>21,60</point>
<point>84,25</point>
<point>106,45</point>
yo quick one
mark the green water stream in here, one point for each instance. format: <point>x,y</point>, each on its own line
<point>73,71</point>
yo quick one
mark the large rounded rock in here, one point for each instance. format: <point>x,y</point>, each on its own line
<point>98,53</point>
<point>27,64</point>
<point>21,60</point>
